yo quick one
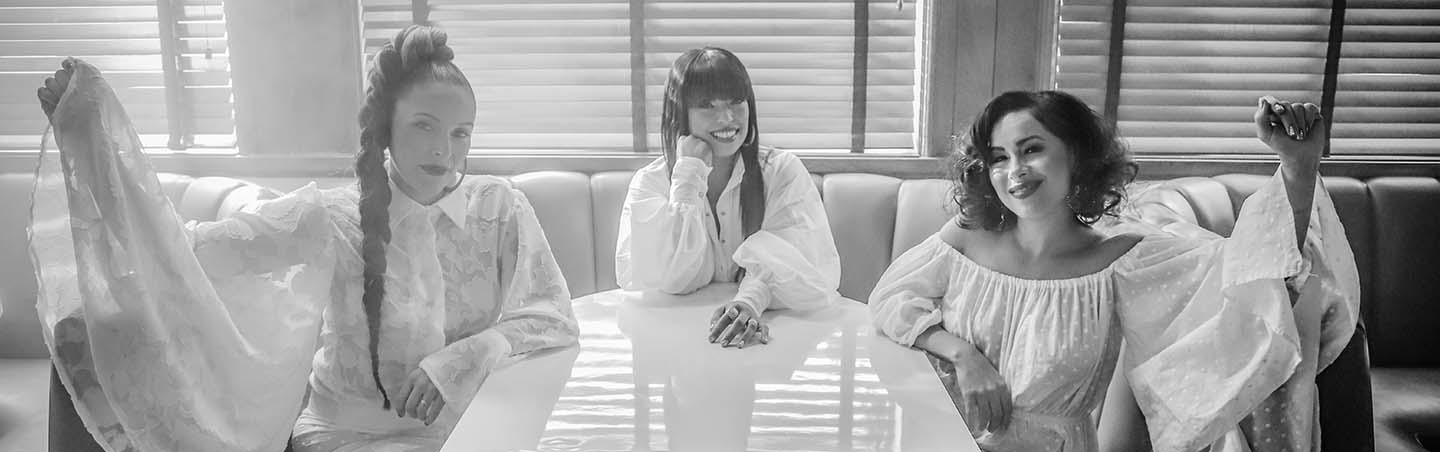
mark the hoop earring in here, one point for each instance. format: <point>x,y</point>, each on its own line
<point>464,167</point>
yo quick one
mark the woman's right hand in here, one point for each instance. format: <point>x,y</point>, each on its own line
<point>695,147</point>
<point>984,398</point>
<point>54,87</point>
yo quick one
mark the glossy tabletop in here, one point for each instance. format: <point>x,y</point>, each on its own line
<point>645,378</point>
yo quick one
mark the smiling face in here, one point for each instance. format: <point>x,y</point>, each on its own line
<point>1029,167</point>
<point>721,123</point>
<point>708,95</point>
<point>430,137</point>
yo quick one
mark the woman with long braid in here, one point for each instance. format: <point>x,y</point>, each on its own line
<point>431,279</point>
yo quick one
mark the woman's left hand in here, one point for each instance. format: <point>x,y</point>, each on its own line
<point>737,324</point>
<point>1294,130</point>
<point>419,398</point>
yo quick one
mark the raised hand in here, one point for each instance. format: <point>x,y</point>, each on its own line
<point>690,146</point>
<point>1294,130</point>
<point>54,87</point>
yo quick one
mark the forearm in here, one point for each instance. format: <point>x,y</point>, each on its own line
<point>1300,175</point>
<point>945,344</point>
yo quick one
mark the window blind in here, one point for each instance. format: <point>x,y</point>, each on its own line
<point>560,74</point>
<point>1191,70</point>
<point>124,39</point>
<point>1387,99</point>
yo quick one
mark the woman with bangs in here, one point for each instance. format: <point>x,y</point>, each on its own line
<point>1025,297</point>
<point>718,207</point>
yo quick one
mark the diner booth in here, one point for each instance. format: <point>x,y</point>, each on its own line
<point>239,102</point>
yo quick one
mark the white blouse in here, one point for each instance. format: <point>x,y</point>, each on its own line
<point>199,337</point>
<point>670,240</point>
<point>470,285</point>
<point>1208,322</point>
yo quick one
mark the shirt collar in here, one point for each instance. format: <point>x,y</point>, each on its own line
<point>453,204</point>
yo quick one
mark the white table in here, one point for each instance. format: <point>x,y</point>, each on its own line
<point>645,377</point>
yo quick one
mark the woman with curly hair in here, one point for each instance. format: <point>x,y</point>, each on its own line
<point>1028,298</point>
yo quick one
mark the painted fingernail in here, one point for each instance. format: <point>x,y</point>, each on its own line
<point>1290,130</point>
<point>1278,109</point>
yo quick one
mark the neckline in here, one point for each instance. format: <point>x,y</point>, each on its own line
<point>1103,272</point>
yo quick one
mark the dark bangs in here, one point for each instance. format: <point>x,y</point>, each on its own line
<point>715,74</point>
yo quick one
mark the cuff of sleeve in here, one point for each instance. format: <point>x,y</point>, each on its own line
<point>923,323</point>
<point>1263,244</point>
<point>754,294</point>
<point>1189,402</point>
<point>1315,246</point>
<point>459,368</point>
<point>687,178</point>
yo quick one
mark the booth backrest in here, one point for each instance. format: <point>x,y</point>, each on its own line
<point>1393,224</point>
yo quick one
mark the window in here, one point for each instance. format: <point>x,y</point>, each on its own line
<point>180,106</point>
<point>1387,98</point>
<point>567,75</point>
<point>1191,71</point>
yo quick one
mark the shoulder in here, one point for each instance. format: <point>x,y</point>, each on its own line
<point>959,238</point>
<point>343,203</point>
<point>776,160</point>
<point>653,173</point>
<point>1113,247</point>
<point>490,196</point>
<point>781,168</point>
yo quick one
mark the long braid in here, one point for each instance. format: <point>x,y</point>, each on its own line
<point>385,69</point>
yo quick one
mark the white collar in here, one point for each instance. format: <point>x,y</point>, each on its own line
<point>453,204</point>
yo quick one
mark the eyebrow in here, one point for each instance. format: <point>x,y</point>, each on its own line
<point>427,115</point>
<point>1018,143</point>
<point>1022,141</point>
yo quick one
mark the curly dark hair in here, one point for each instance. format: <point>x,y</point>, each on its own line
<point>1102,164</point>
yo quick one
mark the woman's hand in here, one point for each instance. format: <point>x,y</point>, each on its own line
<point>694,147</point>
<point>984,398</point>
<point>419,398</point>
<point>54,87</point>
<point>737,324</point>
<point>1295,131</point>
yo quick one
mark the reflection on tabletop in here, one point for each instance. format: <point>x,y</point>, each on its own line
<point>645,377</point>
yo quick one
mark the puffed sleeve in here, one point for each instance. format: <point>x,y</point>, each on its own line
<point>791,262</point>
<point>1208,321</point>
<point>535,313</point>
<point>264,236</point>
<point>906,300</point>
<point>663,242</point>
